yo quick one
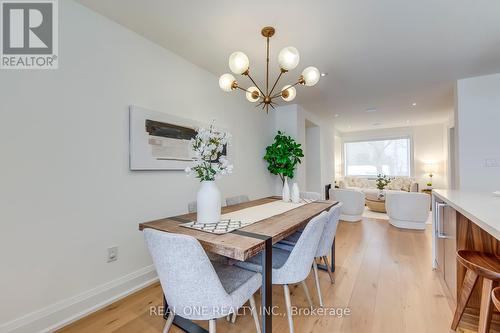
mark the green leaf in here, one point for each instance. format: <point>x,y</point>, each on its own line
<point>283,155</point>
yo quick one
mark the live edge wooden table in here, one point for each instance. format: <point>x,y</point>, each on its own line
<point>241,244</point>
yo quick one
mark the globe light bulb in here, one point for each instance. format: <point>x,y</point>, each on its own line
<point>253,94</point>
<point>288,58</point>
<point>226,82</point>
<point>311,76</point>
<point>238,62</point>
<point>288,93</point>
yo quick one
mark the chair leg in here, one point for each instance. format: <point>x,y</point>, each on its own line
<point>255,316</point>
<point>168,324</point>
<point>329,269</point>
<point>288,307</point>
<point>465,293</point>
<point>308,295</point>
<point>486,307</point>
<point>233,318</point>
<point>316,278</point>
<point>211,326</point>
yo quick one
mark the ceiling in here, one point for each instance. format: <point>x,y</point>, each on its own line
<point>382,54</point>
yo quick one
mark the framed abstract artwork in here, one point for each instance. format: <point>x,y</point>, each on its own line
<point>160,141</point>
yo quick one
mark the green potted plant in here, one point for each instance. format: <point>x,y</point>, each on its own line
<point>283,155</point>
<point>382,181</point>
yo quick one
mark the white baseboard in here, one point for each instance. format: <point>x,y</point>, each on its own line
<point>71,309</point>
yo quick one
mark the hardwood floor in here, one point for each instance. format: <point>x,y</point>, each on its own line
<point>383,275</point>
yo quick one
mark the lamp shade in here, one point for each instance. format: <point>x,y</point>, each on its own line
<point>226,82</point>
<point>430,168</point>
<point>311,76</point>
<point>288,58</point>
<point>238,62</point>
<point>288,93</point>
<point>253,94</point>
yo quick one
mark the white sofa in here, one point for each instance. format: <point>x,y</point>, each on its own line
<point>407,184</point>
<point>353,203</point>
<point>407,210</point>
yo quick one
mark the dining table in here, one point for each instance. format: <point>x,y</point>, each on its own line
<point>240,244</point>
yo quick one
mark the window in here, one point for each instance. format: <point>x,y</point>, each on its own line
<point>369,158</point>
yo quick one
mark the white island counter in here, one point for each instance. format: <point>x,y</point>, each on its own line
<point>481,208</point>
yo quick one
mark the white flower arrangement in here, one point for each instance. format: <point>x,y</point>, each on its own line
<point>209,163</point>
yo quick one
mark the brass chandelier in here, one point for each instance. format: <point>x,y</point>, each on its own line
<point>288,59</point>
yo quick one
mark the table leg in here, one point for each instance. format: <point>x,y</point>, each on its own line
<point>185,324</point>
<point>267,284</point>
<point>332,267</point>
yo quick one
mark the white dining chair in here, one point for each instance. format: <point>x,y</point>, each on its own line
<point>237,199</point>
<point>324,247</point>
<point>194,287</point>
<point>290,267</point>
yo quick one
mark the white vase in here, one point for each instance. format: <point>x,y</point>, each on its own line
<point>208,203</point>
<point>295,193</point>
<point>285,193</point>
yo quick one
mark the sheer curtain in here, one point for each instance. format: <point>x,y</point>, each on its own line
<point>368,158</point>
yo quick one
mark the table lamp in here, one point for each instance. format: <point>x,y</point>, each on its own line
<point>430,168</point>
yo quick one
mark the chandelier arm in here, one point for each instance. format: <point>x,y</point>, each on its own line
<point>248,91</point>
<point>256,85</point>
<point>275,83</point>
<point>240,88</point>
<point>279,94</point>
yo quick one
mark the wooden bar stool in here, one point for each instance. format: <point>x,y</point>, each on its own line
<point>478,264</point>
<point>495,296</point>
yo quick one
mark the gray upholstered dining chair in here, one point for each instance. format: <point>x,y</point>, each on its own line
<point>237,199</point>
<point>194,287</point>
<point>310,195</point>
<point>324,247</point>
<point>293,267</point>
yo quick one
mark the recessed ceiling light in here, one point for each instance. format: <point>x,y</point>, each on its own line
<point>377,124</point>
<point>407,121</point>
<point>414,104</point>
<point>324,74</point>
<point>336,115</point>
<point>371,110</point>
<point>349,126</point>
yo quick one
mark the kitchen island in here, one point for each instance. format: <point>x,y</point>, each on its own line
<point>464,220</point>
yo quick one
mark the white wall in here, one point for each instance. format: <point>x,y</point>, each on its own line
<point>477,121</point>
<point>313,157</point>
<point>429,145</point>
<point>292,119</point>
<point>66,192</point>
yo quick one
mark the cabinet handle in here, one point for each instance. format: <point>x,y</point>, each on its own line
<point>439,207</point>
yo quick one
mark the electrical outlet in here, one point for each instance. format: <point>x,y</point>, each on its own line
<point>113,253</point>
<point>491,163</point>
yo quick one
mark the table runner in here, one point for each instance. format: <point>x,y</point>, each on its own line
<point>245,217</point>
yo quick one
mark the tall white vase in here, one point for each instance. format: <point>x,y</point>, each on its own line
<point>208,203</point>
<point>295,193</point>
<point>285,194</point>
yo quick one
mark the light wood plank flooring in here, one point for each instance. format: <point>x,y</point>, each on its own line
<point>383,275</point>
